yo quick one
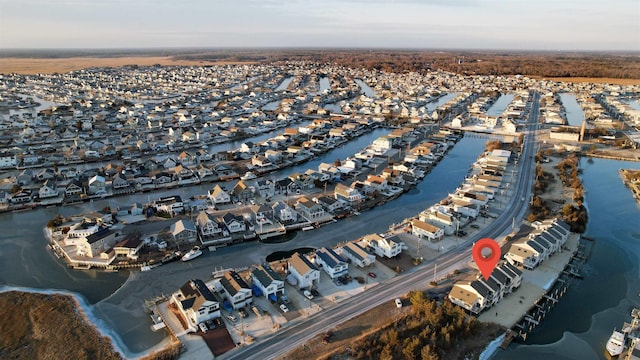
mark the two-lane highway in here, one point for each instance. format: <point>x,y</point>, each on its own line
<point>297,333</point>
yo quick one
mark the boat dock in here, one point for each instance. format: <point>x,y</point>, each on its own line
<point>541,289</point>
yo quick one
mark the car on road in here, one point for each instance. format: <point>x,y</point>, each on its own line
<point>308,294</point>
<point>398,302</point>
<point>372,275</point>
<point>522,199</point>
<point>284,308</point>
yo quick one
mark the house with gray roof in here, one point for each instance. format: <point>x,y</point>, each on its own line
<point>196,303</point>
<point>331,262</point>
<point>267,280</point>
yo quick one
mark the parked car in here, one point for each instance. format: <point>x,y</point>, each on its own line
<point>372,275</point>
<point>475,226</point>
<point>284,308</point>
<point>327,337</point>
<point>308,294</point>
<point>398,303</point>
<point>314,292</point>
<point>284,298</point>
<point>232,318</point>
<point>243,313</point>
<point>203,327</point>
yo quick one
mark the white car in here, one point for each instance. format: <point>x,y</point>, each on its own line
<point>308,294</point>
<point>284,308</point>
<point>203,327</point>
<point>398,303</point>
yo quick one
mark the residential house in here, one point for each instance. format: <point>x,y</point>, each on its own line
<point>330,204</point>
<point>234,223</point>
<point>210,229</point>
<point>266,188</point>
<point>309,209</point>
<point>183,232</point>
<point>129,247</point>
<point>119,182</point>
<point>525,252</point>
<point>357,254</point>
<point>48,190</point>
<point>347,195</point>
<point>97,185</point>
<point>234,289</point>
<point>219,196</point>
<point>96,243</point>
<point>241,192</point>
<point>382,246</point>
<point>331,263</point>
<point>303,271</point>
<point>425,230</point>
<point>267,280</point>
<point>283,212</point>
<point>170,204</point>
<point>196,302</point>
<point>21,197</point>
<point>470,295</point>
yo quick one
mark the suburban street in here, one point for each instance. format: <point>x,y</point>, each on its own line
<point>296,334</point>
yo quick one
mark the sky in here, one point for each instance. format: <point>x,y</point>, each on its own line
<point>602,25</point>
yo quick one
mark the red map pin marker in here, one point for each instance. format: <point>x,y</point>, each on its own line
<point>486,263</point>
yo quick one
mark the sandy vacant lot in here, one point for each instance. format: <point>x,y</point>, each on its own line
<point>62,65</point>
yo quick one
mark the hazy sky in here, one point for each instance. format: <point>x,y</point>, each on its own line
<point>484,24</point>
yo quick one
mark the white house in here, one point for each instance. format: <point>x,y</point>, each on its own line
<point>382,246</point>
<point>48,190</point>
<point>234,223</point>
<point>426,230</point>
<point>309,209</point>
<point>347,195</point>
<point>267,280</point>
<point>331,263</point>
<point>219,196</point>
<point>233,288</point>
<point>357,254</point>
<point>283,212</point>
<point>183,231</point>
<point>305,273</point>
<point>196,303</point>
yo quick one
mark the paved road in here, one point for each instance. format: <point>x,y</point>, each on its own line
<point>296,334</point>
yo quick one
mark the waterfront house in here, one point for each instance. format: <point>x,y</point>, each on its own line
<point>48,190</point>
<point>425,230</point>
<point>331,263</point>
<point>119,182</point>
<point>309,209</point>
<point>196,303</point>
<point>219,196</point>
<point>525,252</point>
<point>183,232</point>
<point>359,256</point>
<point>241,192</point>
<point>347,195</point>
<point>234,223</point>
<point>234,289</point>
<point>21,197</point>
<point>513,274</point>
<point>210,230</point>
<point>171,205</point>
<point>96,243</point>
<point>97,185</point>
<point>267,280</point>
<point>470,295</point>
<point>283,212</point>
<point>330,204</point>
<point>306,274</point>
<point>382,246</point>
<point>266,188</point>
<point>129,247</point>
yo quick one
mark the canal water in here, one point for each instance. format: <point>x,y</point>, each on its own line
<point>432,106</point>
<point>572,109</point>
<point>500,105</point>
<point>26,262</point>
<point>579,326</point>
<point>284,84</point>
<point>368,91</point>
